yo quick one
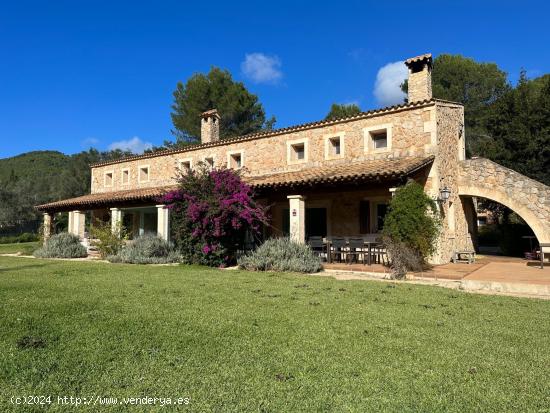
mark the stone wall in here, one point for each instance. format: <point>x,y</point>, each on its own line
<point>530,199</point>
<point>412,134</point>
<point>449,149</point>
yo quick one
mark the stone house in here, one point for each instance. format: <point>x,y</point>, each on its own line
<point>327,178</point>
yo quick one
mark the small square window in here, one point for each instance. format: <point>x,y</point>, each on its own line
<point>235,161</point>
<point>209,162</point>
<point>185,166</point>
<point>125,176</point>
<point>299,151</point>
<point>144,174</point>
<point>335,147</point>
<point>379,140</point>
<point>108,179</point>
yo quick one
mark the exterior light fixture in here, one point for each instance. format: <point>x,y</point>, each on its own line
<point>444,194</point>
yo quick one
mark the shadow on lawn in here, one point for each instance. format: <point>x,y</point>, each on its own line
<point>21,267</point>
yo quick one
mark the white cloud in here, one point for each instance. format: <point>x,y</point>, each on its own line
<point>387,88</point>
<point>261,68</point>
<point>136,145</point>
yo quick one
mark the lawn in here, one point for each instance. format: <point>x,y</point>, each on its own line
<point>25,248</point>
<point>240,341</point>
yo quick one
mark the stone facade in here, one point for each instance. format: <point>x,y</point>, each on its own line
<point>411,129</point>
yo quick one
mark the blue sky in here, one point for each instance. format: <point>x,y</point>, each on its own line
<point>81,73</point>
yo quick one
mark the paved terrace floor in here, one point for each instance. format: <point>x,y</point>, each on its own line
<point>486,268</point>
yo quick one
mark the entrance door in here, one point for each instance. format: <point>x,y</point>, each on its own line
<point>316,222</point>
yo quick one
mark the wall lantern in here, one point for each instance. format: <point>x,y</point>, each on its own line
<point>444,194</point>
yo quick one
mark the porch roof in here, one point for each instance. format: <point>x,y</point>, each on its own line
<point>361,171</point>
<point>106,199</point>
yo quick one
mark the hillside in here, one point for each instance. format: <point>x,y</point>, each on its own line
<point>38,177</point>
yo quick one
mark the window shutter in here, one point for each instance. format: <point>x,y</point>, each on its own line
<point>364,217</point>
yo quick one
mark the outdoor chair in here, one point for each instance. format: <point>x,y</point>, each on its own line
<point>357,249</point>
<point>318,246</point>
<point>381,254</point>
<point>338,246</point>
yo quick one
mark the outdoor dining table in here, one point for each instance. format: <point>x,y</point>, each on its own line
<point>368,243</point>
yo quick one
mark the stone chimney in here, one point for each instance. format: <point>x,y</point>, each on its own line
<point>210,126</point>
<point>420,77</point>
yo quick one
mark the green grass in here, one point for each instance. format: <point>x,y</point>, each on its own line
<point>25,248</point>
<point>240,341</point>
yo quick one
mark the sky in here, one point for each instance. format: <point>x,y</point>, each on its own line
<point>76,74</point>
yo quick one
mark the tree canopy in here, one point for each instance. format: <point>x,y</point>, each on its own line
<point>241,111</point>
<point>342,110</point>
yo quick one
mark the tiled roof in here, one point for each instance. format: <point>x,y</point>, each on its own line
<point>275,132</point>
<point>106,198</point>
<point>425,56</point>
<point>347,172</point>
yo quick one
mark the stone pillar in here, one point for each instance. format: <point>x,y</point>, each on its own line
<point>47,226</point>
<point>297,218</point>
<point>79,223</point>
<point>116,218</point>
<point>70,223</point>
<point>163,222</point>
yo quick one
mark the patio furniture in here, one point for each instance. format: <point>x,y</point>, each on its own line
<point>381,253</point>
<point>337,248</point>
<point>464,256</point>
<point>544,249</point>
<point>318,246</point>
<point>357,248</point>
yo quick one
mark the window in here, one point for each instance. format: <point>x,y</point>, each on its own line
<point>108,179</point>
<point>364,217</point>
<point>209,162</point>
<point>379,140</point>
<point>185,165</point>
<point>125,176</point>
<point>335,145</point>
<point>381,211</point>
<point>297,151</point>
<point>143,173</point>
<point>235,160</point>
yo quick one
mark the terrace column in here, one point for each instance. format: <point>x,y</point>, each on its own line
<point>79,223</point>
<point>47,225</point>
<point>116,219</point>
<point>70,223</point>
<point>297,218</point>
<point>163,222</point>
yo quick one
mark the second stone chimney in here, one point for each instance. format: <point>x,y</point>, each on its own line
<point>420,77</point>
<point>210,126</point>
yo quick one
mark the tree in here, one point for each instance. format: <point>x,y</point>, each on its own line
<point>518,128</point>
<point>240,110</point>
<point>342,111</point>
<point>211,212</point>
<point>411,227</point>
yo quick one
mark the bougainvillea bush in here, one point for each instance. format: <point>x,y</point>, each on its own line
<point>211,212</point>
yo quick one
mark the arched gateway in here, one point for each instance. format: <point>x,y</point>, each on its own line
<point>528,198</point>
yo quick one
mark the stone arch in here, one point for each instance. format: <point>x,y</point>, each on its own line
<point>528,198</point>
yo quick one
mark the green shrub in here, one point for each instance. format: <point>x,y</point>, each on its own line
<point>281,254</point>
<point>147,249</point>
<point>107,241</point>
<point>62,245</point>
<point>15,239</point>
<point>411,226</point>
